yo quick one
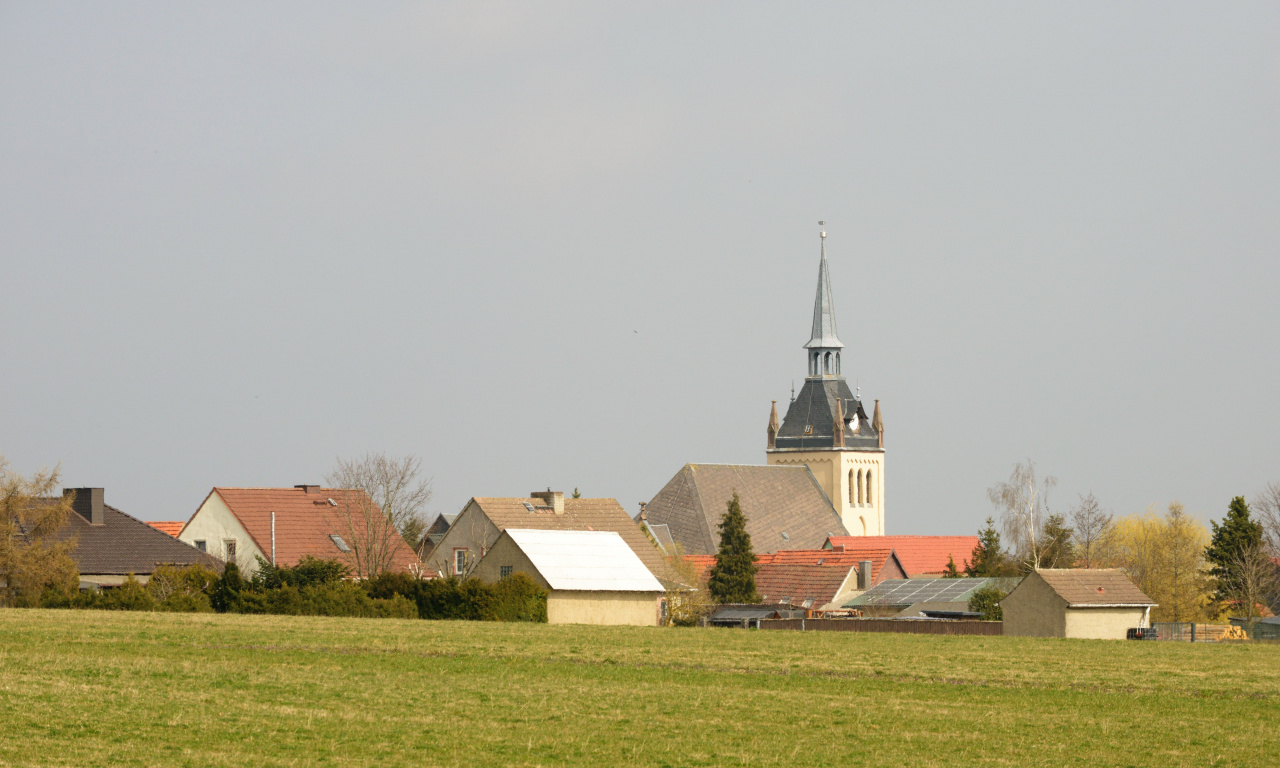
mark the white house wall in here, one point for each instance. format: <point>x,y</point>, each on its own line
<point>214,524</point>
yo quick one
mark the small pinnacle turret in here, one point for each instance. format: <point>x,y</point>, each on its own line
<point>773,425</point>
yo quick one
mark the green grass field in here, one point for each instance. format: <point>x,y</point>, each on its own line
<point>86,688</point>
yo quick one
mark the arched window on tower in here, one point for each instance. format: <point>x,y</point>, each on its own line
<point>859,487</point>
<point>852,488</point>
<point>869,501</point>
<point>837,363</point>
<point>826,363</point>
<point>863,520</point>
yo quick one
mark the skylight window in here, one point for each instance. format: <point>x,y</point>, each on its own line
<point>528,506</point>
<point>339,543</point>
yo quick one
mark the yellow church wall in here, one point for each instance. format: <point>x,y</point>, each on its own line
<point>832,470</point>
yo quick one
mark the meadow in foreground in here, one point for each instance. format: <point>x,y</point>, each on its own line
<point>148,689</point>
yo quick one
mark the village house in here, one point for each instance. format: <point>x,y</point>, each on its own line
<point>591,577</point>
<point>481,522</point>
<point>283,525</point>
<point>1079,602</point>
<point>112,545</point>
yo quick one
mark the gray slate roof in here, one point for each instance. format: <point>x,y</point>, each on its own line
<point>775,500</point>
<point>815,407</point>
<point>123,544</point>
<point>823,335</point>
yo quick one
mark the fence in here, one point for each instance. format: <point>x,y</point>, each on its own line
<point>1192,632</point>
<point>905,626</point>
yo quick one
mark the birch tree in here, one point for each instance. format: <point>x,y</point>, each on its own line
<point>1023,503</point>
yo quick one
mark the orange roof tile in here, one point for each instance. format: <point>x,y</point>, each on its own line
<point>304,522</point>
<point>919,555</point>
<point>171,527</point>
<point>847,558</point>
<point>807,586</point>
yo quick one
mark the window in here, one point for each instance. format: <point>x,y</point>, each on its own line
<point>201,545</point>
<point>459,561</point>
<point>852,489</point>
<point>859,487</point>
<point>869,501</point>
<point>229,546</point>
<point>504,571</point>
<point>339,543</point>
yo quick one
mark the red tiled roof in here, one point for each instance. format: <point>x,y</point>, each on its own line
<point>304,522</point>
<point>847,558</point>
<point>794,584</point>
<point>919,555</point>
<point>171,527</point>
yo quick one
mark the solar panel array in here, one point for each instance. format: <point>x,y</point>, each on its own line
<point>912,591</point>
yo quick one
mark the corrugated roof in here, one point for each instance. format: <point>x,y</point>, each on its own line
<point>602,514</point>
<point>1085,587</point>
<point>584,560</point>
<point>919,555</point>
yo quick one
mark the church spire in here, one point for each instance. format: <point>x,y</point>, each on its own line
<point>773,426</point>
<point>824,346</point>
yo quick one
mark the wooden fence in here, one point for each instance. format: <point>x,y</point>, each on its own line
<point>906,626</point>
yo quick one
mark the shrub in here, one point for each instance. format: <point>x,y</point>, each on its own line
<point>986,601</point>
<point>519,598</point>
<point>226,592</point>
<point>308,572</point>
<point>129,596</point>
<point>186,602</point>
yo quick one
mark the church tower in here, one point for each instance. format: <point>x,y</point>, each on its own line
<point>827,428</point>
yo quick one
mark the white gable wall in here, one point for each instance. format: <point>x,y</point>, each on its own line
<point>214,524</point>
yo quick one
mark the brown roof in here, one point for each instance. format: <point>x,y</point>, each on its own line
<point>920,555</point>
<point>304,522</point>
<point>579,515</point>
<point>1084,587</point>
<point>776,500</point>
<point>795,584</point>
<point>171,527</point>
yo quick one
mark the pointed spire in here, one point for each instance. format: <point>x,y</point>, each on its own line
<point>837,425</point>
<point>877,423</point>
<point>824,311</point>
<point>773,426</point>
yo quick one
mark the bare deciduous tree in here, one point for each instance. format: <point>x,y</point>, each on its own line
<point>1266,508</point>
<point>1256,582</point>
<point>392,504</point>
<point>1023,502</point>
<point>1093,527</point>
<point>33,553</point>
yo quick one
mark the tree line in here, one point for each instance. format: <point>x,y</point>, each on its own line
<point>1194,573</point>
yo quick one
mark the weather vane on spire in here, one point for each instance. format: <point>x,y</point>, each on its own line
<point>822,232</point>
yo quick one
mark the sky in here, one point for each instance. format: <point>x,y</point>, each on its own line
<point>576,245</point>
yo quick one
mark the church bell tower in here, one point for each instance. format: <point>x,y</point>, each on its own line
<point>826,427</point>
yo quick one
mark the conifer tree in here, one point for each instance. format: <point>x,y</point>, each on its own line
<point>1238,535</point>
<point>733,577</point>
<point>951,572</point>
<point>988,558</point>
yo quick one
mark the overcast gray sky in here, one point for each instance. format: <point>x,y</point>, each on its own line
<point>576,245</point>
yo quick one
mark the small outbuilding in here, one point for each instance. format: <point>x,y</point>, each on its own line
<point>1075,602</point>
<point>591,577</point>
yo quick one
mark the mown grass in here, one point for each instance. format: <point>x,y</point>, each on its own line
<point>82,688</point>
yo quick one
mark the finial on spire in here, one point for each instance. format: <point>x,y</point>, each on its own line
<point>822,233</point>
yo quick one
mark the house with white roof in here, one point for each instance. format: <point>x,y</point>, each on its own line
<point>591,577</point>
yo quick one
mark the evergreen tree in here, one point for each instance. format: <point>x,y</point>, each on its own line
<point>733,577</point>
<point>227,589</point>
<point>987,559</point>
<point>1238,535</point>
<point>951,572</point>
<point>1057,545</point>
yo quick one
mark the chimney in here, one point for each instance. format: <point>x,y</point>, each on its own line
<point>87,502</point>
<point>864,575</point>
<point>308,488</point>
<point>642,514</point>
<point>553,499</point>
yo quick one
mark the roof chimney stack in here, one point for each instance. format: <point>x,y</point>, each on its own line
<point>553,499</point>
<point>87,502</point>
<point>308,488</point>
<point>864,575</point>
